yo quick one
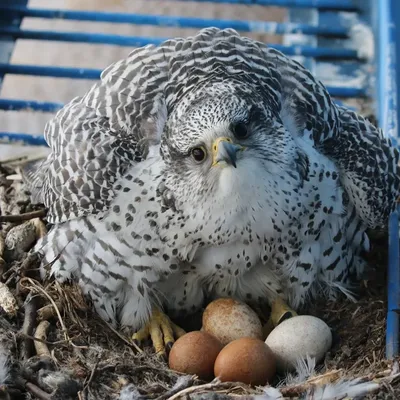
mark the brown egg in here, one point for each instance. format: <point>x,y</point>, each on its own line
<point>228,319</point>
<point>246,360</point>
<point>195,353</point>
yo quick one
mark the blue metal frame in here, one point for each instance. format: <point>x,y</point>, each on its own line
<point>338,5</point>
<point>388,13</point>
<point>137,41</point>
<point>276,28</point>
<point>7,43</point>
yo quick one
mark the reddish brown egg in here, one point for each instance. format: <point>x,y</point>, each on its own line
<point>246,360</point>
<point>195,353</point>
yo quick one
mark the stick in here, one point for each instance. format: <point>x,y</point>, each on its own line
<point>7,301</point>
<point>60,319</point>
<point>38,288</point>
<point>182,383</point>
<point>36,391</point>
<point>130,344</point>
<point>28,326</point>
<point>215,385</point>
<point>48,311</point>
<point>23,217</point>
<point>41,333</point>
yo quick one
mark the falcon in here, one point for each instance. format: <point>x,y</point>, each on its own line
<point>205,167</point>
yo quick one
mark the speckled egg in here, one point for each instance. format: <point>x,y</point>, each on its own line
<point>246,360</point>
<point>228,319</point>
<point>297,337</point>
<point>195,353</point>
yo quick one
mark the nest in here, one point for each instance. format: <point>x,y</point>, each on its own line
<point>54,347</point>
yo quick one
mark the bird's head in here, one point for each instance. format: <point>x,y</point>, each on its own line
<point>221,145</point>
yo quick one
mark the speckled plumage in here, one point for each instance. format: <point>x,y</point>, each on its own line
<point>140,223</point>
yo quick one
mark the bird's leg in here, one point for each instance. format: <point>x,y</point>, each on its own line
<point>279,312</point>
<point>162,332</point>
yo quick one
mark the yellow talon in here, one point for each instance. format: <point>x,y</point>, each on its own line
<point>40,228</point>
<point>279,312</point>
<point>141,335</point>
<point>162,332</point>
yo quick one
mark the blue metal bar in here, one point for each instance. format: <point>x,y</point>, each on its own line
<point>88,73</point>
<point>388,119</point>
<point>55,72</point>
<point>81,37</point>
<point>345,5</point>
<point>7,46</point>
<point>135,41</point>
<point>275,28</point>
<point>392,323</point>
<point>29,105</point>
<point>23,138</point>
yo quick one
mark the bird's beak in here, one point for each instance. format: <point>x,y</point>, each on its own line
<point>224,152</point>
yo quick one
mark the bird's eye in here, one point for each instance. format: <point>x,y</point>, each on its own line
<point>199,154</point>
<point>240,130</point>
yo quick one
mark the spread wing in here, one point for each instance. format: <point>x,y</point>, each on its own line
<point>95,139</point>
<point>368,163</point>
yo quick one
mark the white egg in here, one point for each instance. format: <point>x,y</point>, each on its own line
<point>298,337</point>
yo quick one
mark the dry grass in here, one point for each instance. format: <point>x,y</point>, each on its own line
<point>78,356</point>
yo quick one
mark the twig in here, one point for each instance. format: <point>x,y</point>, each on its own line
<point>41,290</point>
<point>38,288</point>
<point>214,385</point>
<point>48,311</point>
<point>28,326</point>
<point>41,333</point>
<point>130,344</point>
<point>2,248</point>
<point>181,384</point>
<point>92,373</point>
<point>20,334</point>
<point>7,301</point>
<point>23,217</point>
<point>36,391</point>
<point>218,396</point>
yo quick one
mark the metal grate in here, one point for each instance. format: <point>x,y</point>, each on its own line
<point>320,33</point>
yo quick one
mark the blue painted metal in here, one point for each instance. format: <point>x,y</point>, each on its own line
<point>29,105</point>
<point>88,73</point>
<point>7,44</point>
<point>137,41</point>
<point>388,116</point>
<point>344,5</point>
<point>178,22</point>
<point>56,72</point>
<point>392,322</point>
<point>22,138</point>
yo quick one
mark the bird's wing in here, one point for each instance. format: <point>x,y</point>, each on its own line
<point>368,163</point>
<point>94,139</point>
<point>369,166</point>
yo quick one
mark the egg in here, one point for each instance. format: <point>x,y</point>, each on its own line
<point>246,360</point>
<point>228,319</point>
<point>297,337</point>
<point>194,353</point>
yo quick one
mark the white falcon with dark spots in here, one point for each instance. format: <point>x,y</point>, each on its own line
<point>205,167</point>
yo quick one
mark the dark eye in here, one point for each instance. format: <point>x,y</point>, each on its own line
<point>240,130</point>
<point>199,154</point>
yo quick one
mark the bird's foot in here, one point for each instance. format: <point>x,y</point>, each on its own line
<point>40,228</point>
<point>279,312</point>
<point>162,332</point>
